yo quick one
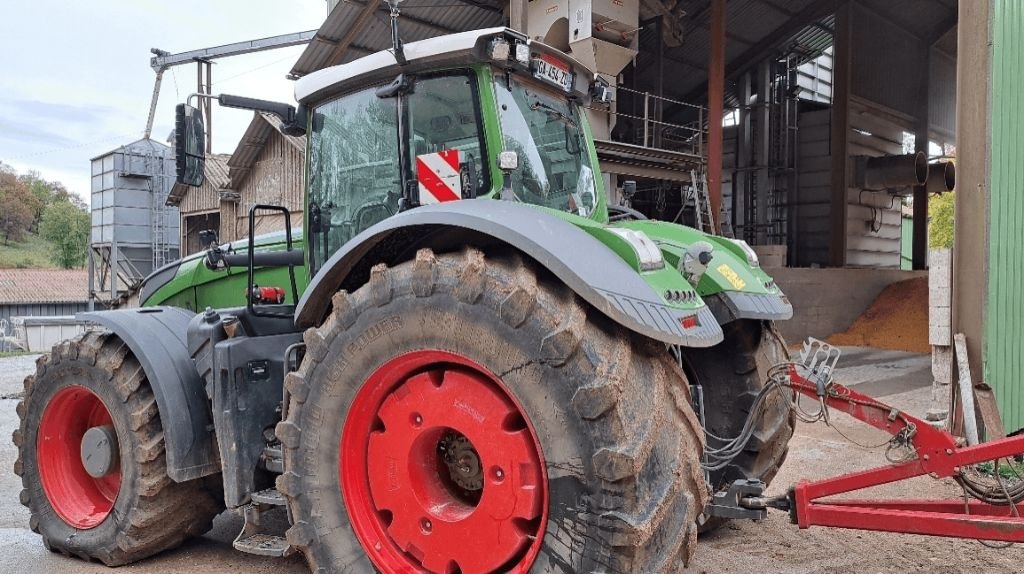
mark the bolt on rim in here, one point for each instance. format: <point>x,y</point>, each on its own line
<point>441,470</point>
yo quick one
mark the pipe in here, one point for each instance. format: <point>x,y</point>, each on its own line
<point>892,171</point>
<point>941,177</point>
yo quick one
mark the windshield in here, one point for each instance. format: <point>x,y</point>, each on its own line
<point>554,161</point>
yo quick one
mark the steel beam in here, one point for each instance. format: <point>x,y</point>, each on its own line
<point>162,61</point>
<point>919,244</point>
<point>716,95</point>
<point>842,63</point>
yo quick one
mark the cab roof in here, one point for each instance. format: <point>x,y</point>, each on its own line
<point>438,52</point>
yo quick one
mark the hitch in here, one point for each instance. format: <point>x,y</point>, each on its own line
<point>926,451</point>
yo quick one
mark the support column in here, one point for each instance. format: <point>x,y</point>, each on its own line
<point>842,57</point>
<point>716,94</point>
<point>973,147</point>
<point>919,249</point>
<point>517,15</point>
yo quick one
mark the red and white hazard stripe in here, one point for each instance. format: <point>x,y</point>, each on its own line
<point>438,176</point>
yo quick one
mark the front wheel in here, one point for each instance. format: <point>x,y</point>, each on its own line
<point>458,414</point>
<point>91,458</point>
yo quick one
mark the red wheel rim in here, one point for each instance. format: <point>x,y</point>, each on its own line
<point>407,510</point>
<point>78,498</point>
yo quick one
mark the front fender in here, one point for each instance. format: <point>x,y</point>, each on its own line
<point>581,262</point>
<point>157,338</point>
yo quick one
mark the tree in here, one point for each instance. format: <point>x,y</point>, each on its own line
<point>42,194</point>
<point>940,228</point>
<point>66,227</point>
<point>15,206</point>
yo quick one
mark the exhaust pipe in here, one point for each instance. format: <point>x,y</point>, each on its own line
<point>941,177</point>
<point>889,172</point>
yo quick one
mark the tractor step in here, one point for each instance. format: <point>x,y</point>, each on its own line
<point>272,459</point>
<point>264,545</point>
<point>253,539</point>
<point>269,496</point>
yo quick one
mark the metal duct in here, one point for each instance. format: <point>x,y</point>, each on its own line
<point>891,171</point>
<point>941,177</point>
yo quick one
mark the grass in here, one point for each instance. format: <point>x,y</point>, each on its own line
<point>6,354</point>
<point>32,253</point>
<point>1004,469</point>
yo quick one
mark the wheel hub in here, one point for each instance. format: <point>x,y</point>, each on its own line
<point>463,462</point>
<point>441,471</point>
<point>100,451</point>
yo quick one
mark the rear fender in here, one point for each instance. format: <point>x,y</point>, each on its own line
<point>580,261</point>
<point>157,338</point>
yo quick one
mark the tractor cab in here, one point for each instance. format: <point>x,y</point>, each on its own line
<point>485,114</point>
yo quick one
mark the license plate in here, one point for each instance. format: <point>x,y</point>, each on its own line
<point>554,71</point>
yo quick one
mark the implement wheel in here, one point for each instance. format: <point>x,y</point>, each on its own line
<point>457,414</point>
<point>91,458</point>
<point>731,374</point>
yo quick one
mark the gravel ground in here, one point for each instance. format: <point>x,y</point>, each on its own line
<point>772,546</point>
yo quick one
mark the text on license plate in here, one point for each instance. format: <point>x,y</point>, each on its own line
<point>554,72</point>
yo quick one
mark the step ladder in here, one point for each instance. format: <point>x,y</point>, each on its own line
<point>701,201</point>
<point>253,539</point>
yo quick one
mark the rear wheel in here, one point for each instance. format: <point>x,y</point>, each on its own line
<point>91,458</point>
<point>458,414</point>
<point>731,375</point>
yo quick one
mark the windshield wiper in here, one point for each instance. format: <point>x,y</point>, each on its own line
<point>564,117</point>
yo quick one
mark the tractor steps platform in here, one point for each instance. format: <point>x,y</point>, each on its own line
<point>253,539</point>
<point>264,545</point>
<point>269,496</point>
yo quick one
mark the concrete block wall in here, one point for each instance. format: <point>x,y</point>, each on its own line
<point>828,300</point>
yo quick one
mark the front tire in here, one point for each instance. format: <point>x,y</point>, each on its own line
<point>731,375</point>
<point>594,420</point>
<point>133,511</point>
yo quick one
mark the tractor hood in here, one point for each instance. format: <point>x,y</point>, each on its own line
<point>732,283</point>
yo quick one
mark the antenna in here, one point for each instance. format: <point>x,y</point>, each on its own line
<point>396,39</point>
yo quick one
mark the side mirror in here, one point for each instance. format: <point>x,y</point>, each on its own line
<point>189,145</point>
<point>600,92</point>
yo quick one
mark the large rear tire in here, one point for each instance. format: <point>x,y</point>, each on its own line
<point>132,512</point>
<point>581,434</point>
<point>731,375</point>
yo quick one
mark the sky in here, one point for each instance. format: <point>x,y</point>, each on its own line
<point>75,80</point>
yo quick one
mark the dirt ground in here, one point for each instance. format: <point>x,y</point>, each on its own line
<point>772,546</point>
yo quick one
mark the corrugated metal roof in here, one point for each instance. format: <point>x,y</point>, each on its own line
<point>365,28</point>
<point>249,147</point>
<point>216,171</point>
<point>23,286</point>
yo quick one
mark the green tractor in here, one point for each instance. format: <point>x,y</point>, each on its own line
<point>465,361</point>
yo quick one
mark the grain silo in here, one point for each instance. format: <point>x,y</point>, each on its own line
<point>133,230</point>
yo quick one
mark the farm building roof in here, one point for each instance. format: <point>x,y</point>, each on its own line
<point>21,286</point>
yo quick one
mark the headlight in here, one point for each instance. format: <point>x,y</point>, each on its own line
<point>646,251</point>
<point>500,49</point>
<point>522,53</point>
<point>752,259</point>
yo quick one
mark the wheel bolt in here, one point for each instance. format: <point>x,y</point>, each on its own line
<point>497,475</point>
<point>426,526</point>
<point>417,420</point>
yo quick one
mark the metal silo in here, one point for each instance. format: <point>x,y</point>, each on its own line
<point>134,232</point>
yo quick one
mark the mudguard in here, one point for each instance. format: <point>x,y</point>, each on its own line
<point>583,263</point>
<point>157,337</point>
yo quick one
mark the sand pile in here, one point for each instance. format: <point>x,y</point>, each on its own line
<point>897,320</point>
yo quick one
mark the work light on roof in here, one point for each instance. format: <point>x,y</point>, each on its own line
<point>500,49</point>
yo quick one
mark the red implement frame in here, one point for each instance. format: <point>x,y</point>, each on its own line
<point>938,456</point>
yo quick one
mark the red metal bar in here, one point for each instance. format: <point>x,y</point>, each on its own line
<point>937,455</point>
<point>716,95</point>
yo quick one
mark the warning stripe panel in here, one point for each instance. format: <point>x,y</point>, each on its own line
<point>438,177</point>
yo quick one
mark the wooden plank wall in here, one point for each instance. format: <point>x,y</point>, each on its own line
<point>275,179</point>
